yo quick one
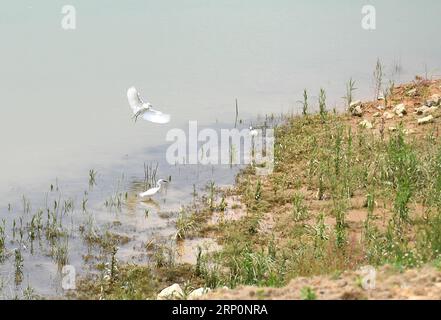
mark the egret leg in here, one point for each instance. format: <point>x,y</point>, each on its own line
<point>139,113</point>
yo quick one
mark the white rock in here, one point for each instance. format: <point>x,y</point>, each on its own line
<point>381,107</point>
<point>400,109</point>
<point>381,97</point>
<point>366,124</point>
<point>195,294</point>
<point>430,110</point>
<point>421,110</point>
<point>357,111</point>
<point>434,100</point>
<point>355,103</point>
<point>356,108</point>
<point>376,114</point>
<point>425,120</point>
<point>388,115</point>
<point>170,293</point>
<point>392,129</point>
<point>411,92</point>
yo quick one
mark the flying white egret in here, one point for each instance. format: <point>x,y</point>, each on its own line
<point>144,109</point>
<point>153,191</point>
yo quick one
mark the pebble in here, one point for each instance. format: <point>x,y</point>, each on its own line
<point>366,124</point>
<point>421,110</point>
<point>434,100</point>
<point>425,120</point>
<point>411,92</point>
<point>400,109</point>
<point>195,294</point>
<point>388,115</point>
<point>356,108</point>
<point>172,292</point>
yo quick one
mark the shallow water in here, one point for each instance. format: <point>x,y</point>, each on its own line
<point>139,221</point>
<point>63,108</point>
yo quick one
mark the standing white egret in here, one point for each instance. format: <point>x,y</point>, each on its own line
<point>144,109</point>
<point>153,191</point>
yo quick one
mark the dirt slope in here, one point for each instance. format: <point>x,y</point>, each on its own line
<point>390,283</point>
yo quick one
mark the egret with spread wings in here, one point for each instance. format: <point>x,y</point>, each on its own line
<point>144,109</point>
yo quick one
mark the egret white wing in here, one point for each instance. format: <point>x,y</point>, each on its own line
<point>156,116</point>
<point>135,101</point>
<point>149,192</point>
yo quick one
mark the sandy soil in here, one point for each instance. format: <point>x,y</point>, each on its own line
<point>390,283</point>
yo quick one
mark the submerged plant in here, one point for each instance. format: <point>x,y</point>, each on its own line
<point>18,263</point>
<point>150,171</point>
<point>113,264</point>
<point>211,195</point>
<point>29,293</point>
<point>185,225</point>
<point>164,256</point>
<point>2,240</point>
<point>92,178</point>
<point>61,253</point>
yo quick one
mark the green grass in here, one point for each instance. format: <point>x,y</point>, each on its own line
<point>299,209</point>
<point>186,224</point>
<point>308,294</point>
<point>350,88</point>
<point>305,104</point>
<point>322,104</point>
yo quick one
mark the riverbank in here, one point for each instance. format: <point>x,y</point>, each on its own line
<point>390,283</point>
<point>348,190</point>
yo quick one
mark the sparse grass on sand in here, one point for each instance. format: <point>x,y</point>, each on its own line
<point>341,196</point>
